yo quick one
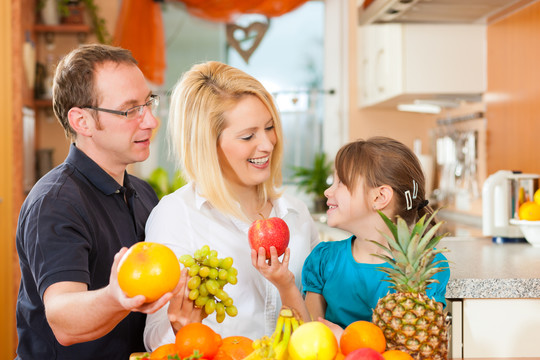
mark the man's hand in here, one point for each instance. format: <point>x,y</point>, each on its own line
<point>136,303</point>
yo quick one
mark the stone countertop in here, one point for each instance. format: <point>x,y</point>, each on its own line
<point>481,269</point>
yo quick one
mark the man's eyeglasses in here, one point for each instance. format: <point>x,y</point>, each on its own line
<point>134,112</point>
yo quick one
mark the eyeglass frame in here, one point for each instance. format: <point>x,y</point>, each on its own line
<point>153,99</point>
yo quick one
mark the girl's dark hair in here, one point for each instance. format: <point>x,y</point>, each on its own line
<point>385,161</point>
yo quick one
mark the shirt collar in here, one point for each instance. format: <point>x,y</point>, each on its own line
<point>281,207</point>
<point>199,200</point>
<point>94,173</point>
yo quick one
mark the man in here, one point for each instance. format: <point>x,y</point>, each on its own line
<point>78,220</point>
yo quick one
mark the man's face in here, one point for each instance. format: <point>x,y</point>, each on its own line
<point>117,141</point>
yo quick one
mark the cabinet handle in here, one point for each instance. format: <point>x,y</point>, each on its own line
<point>378,72</point>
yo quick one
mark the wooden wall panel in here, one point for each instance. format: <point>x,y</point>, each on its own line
<point>7,198</point>
<point>513,96</point>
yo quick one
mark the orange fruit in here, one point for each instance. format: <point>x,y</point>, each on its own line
<point>536,196</point>
<point>234,348</point>
<point>163,352</point>
<point>362,334</point>
<point>197,337</point>
<point>396,355</point>
<point>339,356</point>
<point>529,210</point>
<point>148,269</point>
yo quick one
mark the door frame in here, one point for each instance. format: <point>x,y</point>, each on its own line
<point>336,75</point>
<point>7,196</point>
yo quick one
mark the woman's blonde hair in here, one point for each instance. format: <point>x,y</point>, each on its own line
<point>198,103</point>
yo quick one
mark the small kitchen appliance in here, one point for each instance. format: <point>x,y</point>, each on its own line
<point>502,194</point>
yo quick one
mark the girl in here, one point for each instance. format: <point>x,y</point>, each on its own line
<point>340,279</point>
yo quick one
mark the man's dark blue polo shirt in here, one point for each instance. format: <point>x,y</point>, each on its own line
<point>73,222</point>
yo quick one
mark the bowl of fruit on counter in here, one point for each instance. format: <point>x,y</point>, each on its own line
<point>529,220</point>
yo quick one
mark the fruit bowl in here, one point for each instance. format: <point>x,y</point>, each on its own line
<point>530,229</point>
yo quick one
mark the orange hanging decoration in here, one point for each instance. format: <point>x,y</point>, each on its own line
<point>271,8</point>
<point>139,28</point>
<point>227,10</point>
<point>220,10</point>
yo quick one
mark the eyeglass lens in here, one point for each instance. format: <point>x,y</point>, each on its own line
<point>139,110</point>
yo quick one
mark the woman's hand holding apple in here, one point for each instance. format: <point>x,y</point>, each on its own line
<point>275,271</point>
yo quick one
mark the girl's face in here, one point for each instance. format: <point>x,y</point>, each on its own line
<point>346,210</point>
<point>245,146</point>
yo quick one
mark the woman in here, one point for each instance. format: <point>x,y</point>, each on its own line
<point>227,135</point>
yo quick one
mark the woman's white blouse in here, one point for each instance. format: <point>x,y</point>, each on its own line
<point>185,221</point>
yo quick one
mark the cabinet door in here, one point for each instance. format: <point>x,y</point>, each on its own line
<point>501,327</point>
<point>404,61</point>
<point>380,68</point>
<point>367,46</point>
<point>388,62</point>
<point>444,59</point>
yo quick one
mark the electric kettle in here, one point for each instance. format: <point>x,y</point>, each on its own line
<point>502,194</point>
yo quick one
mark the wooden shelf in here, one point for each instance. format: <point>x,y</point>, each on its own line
<point>62,28</point>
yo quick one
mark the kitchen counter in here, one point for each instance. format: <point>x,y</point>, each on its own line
<point>481,269</point>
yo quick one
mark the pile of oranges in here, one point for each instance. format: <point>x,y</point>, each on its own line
<point>530,210</point>
<point>200,340</point>
<point>360,340</point>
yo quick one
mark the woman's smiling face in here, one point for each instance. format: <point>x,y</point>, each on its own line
<point>246,143</point>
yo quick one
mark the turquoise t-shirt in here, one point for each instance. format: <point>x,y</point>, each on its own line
<point>352,289</point>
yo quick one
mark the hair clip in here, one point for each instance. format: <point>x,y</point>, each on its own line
<point>423,204</point>
<point>408,199</point>
<point>415,189</point>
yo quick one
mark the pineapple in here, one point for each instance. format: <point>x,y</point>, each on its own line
<point>410,320</point>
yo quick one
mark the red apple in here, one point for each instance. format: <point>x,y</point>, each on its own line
<point>269,232</point>
<point>364,354</point>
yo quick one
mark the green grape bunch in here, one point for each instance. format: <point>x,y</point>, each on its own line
<point>208,275</point>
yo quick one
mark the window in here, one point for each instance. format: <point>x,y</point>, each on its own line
<point>288,62</point>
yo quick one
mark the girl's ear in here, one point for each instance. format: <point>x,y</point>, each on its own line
<point>382,197</point>
<point>79,120</point>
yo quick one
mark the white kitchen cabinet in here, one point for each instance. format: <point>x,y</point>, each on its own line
<point>500,328</point>
<point>415,61</point>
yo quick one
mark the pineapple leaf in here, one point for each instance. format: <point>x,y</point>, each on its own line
<point>428,242</point>
<point>419,227</point>
<point>410,253</point>
<point>403,233</point>
<point>385,248</point>
<point>412,249</point>
<point>389,223</point>
<point>394,249</point>
<point>385,258</point>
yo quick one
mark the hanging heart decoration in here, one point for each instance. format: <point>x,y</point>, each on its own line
<point>245,40</point>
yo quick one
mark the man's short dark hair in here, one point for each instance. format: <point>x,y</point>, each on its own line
<point>74,81</point>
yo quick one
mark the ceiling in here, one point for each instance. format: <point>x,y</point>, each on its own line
<point>432,11</point>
